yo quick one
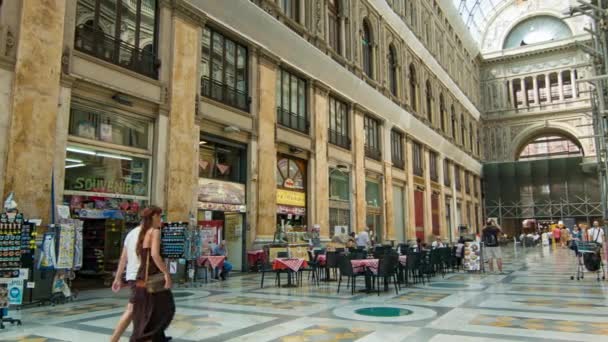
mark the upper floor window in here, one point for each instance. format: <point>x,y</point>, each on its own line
<point>442,112</point>
<point>478,142</point>
<point>224,70</point>
<point>453,117</point>
<point>413,88</point>
<point>291,8</point>
<point>338,123</point>
<point>367,46</point>
<point>372,138</point>
<point>471,132</point>
<point>475,188</point>
<point>392,69</point>
<point>447,178</point>
<point>418,159</point>
<point>292,99</point>
<point>429,101</point>
<point>397,149</point>
<point>333,14</point>
<point>222,161</point>
<point>463,130</point>
<point>433,166</point>
<point>122,32</point>
<point>457,182</point>
<point>467,183</point>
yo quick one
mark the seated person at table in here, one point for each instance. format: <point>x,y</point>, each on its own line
<point>351,243</point>
<point>221,250</point>
<point>437,243</point>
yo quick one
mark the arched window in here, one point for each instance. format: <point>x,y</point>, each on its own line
<point>453,116</point>
<point>550,146</point>
<point>413,88</point>
<point>333,14</point>
<point>535,30</point>
<point>463,130</point>
<point>367,46</point>
<point>291,8</point>
<point>442,112</point>
<point>429,101</point>
<point>392,69</point>
<point>471,131</point>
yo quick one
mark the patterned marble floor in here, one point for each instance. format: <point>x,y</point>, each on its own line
<point>534,300</point>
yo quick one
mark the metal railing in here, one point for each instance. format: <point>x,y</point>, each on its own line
<point>103,46</point>
<point>398,163</point>
<point>339,139</point>
<point>292,120</point>
<point>224,93</point>
<point>373,153</point>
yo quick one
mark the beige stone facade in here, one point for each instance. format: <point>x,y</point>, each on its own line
<point>42,87</point>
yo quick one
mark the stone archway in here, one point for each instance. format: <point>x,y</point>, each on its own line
<point>533,131</point>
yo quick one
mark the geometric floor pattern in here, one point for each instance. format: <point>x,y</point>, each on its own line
<point>533,300</point>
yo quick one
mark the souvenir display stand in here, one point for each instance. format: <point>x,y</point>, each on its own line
<point>173,248</point>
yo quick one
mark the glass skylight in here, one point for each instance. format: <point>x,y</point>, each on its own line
<point>476,13</point>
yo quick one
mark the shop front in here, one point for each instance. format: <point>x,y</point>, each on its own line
<point>339,202</point>
<point>106,183</point>
<point>222,196</point>
<point>291,198</point>
<point>373,196</point>
<point>419,212</point>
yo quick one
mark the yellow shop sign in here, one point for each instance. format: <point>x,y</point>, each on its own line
<point>293,198</point>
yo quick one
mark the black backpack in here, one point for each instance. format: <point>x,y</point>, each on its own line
<point>489,238</point>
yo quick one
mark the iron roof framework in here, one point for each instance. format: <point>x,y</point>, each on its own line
<point>476,14</point>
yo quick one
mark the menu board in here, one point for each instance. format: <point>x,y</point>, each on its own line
<point>472,256</point>
<point>173,240</point>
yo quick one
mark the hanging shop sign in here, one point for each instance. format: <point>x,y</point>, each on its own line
<point>286,210</point>
<point>293,198</point>
<point>222,207</point>
<point>215,191</point>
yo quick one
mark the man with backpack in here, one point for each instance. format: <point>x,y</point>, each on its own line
<point>489,237</point>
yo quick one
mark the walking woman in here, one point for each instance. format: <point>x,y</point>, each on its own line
<point>153,310</point>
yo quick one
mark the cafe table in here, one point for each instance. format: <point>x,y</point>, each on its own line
<point>369,267</point>
<point>291,265</point>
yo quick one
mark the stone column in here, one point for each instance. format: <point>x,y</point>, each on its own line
<point>342,42</point>
<point>183,132</point>
<point>535,87</point>
<point>428,192</point>
<point>560,85</point>
<point>511,97</point>
<point>573,82</point>
<point>454,211</point>
<point>35,95</point>
<point>267,150</point>
<point>524,92</point>
<point>359,168</point>
<point>411,187</point>
<point>321,169</point>
<point>443,225</point>
<point>548,83</point>
<point>389,219</point>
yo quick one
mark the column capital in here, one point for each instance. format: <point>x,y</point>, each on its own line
<point>267,57</point>
<point>320,87</point>
<point>185,10</point>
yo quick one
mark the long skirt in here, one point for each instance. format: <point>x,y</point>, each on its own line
<point>152,314</point>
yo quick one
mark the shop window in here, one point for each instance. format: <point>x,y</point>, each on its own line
<point>447,178</point>
<point>397,149</point>
<point>339,185</point>
<point>433,166</point>
<point>372,194</point>
<point>367,47</point>
<point>292,99</point>
<point>372,138</point>
<point>291,174</point>
<point>220,161</point>
<point>333,15</point>
<point>109,127</point>
<point>338,123</point>
<point>418,159</point>
<point>457,182</point>
<point>122,32</point>
<point>116,175</point>
<point>291,8</point>
<point>224,70</point>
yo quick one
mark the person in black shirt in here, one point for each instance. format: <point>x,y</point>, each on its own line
<point>492,250</point>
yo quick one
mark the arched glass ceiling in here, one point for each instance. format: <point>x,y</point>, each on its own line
<point>476,13</point>
<point>535,30</point>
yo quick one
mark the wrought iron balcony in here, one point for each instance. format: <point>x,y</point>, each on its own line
<point>339,139</point>
<point>292,120</point>
<point>224,93</point>
<point>103,46</point>
<point>373,153</point>
<point>399,163</point>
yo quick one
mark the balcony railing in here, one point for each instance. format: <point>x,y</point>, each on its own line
<point>224,93</point>
<point>372,153</point>
<point>418,171</point>
<point>292,120</point>
<point>103,46</point>
<point>399,163</point>
<point>339,139</point>
<point>434,175</point>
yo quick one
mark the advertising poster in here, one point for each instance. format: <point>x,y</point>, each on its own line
<point>472,256</point>
<point>210,231</point>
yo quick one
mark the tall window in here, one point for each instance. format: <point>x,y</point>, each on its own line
<point>463,130</point>
<point>291,8</point>
<point>333,13</point>
<point>292,97</point>
<point>471,132</point>
<point>372,138</point>
<point>224,70</point>
<point>478,142</point>
<point>453,117</point>
<point>442,112</point>
<point>429,101</point>
<point>447,178</point>
<point>433,166</point>
<point>413,88</point>
<point>397,149</point>
<point>418,159</point>
<point>367,46</point>
<point>475,189</point>
<point>457,182</point>
<point>392,69</point>
<point>122,32</point>
<point>338,123</point>
<point>222,161</point>
<point>467,182</point>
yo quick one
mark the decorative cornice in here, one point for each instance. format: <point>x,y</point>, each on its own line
<point>185,10</point>
<point>320,87</point>
<point>268,57</point>
<point>526,54</point>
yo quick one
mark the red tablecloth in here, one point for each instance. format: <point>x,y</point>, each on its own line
<point>362,264</point>
<point>214,261</point>
<point>253,257</point>
<point>403,259</point>
<point>291,263</point>
<point>321,259</point>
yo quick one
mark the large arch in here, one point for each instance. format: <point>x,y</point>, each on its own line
<point>524,137</point>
